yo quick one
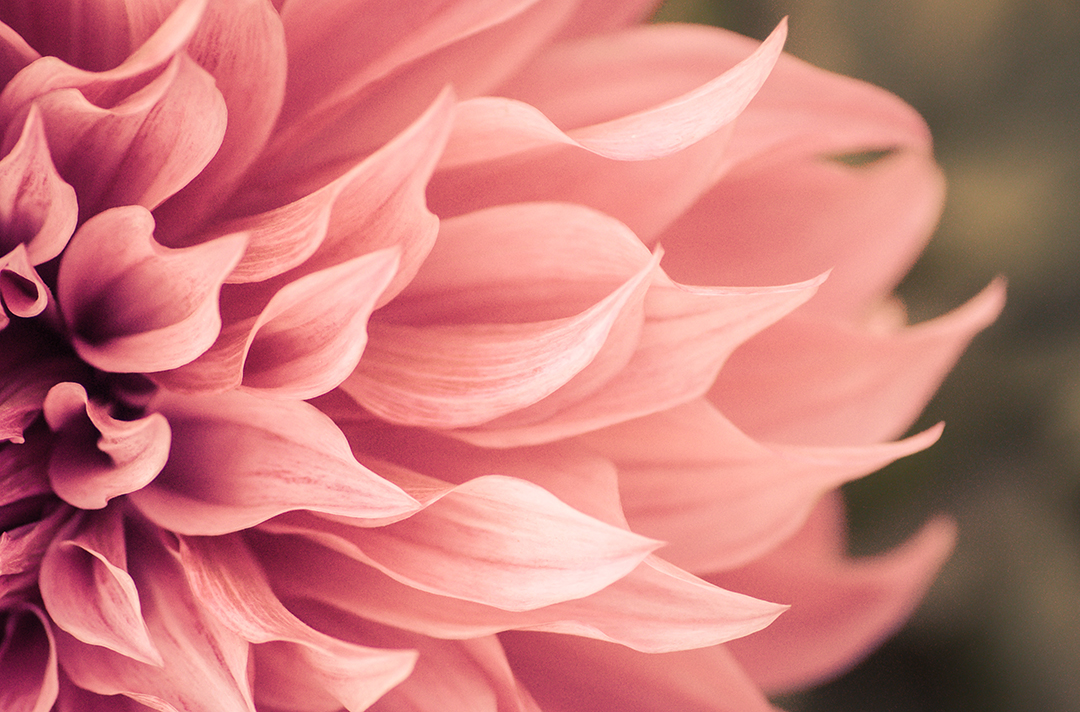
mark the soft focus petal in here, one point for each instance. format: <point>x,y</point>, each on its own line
<point>810,643</point>
<point>134,305</point>
<point>28,679</point>
<point>238,459</point>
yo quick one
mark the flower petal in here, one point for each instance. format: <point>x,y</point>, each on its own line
<point>230,583</point>
<point>810,644</point>
<point>28,678</point>
<point>37,208</point>
<point>238,459</point>
<point>134,306</point>
<point>88,592</point>
<point>22,290</point>
<point>97,457</point>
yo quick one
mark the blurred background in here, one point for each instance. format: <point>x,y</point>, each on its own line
<point>999,83</point>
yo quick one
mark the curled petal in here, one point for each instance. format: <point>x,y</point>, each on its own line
<point>23,292</point>
<point>239,459</point>
<point>135,306</point>
<point>810,643</point>
<point>88,592</point>
<point>97,457</point>
<point>495,540</point>
<point>229,582</point>
<point>37,208</point>
<point>28,672</point>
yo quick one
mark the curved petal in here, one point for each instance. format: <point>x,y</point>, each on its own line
<point>135,306</point>
<point>28,672</point>
<point>37,208</point>
<point>97,457</point>
<point>238,459</point>
<point>229,582</point>
<point>22,290</point>
<point>88,592</point>
<point>841,608</point>
<point>828,382</point>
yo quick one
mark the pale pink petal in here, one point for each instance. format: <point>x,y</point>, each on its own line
<point>133,305</point>
<point>238,459</point>
<point>236,41</point>
<point>23,292</point>
<point>597,16</point>
<point>602,677</point>
<point>75,699</point>
<point>814,381</point>
<point>37,208</point>
<point>810,643</point>
<point>28,679</point>
<point>97,457</point>
<point>205,663</point>
<point>229,583</point>
<point>684,471</point>
<point>494,540</point>
<point>688,334</point>
<point>88,592</point>
<point>307,339</point>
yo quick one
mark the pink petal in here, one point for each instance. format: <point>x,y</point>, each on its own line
<point>22,290</point>
<point>205,664</point>
<point>494,540</point>
<point>238,459</point>
<point>598,16</point>
<point>22,547</point>
<point>37,208</point>
<point>134,306</point>
<point>602,677</point>
<point>28,679</point>
<point>838,383</point>
<point>97,457</point>
<point>30,369</point>
<point>15,54</point>
<point>517,345</point>
<point>88,592</point>
<point>229,582</point>
<point>304,343</point>
<point>687,336</point>
<point>688,477</point>
<point>237,40</point>
<point>841,609</point>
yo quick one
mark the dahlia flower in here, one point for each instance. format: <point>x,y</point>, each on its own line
<point>483,355</point>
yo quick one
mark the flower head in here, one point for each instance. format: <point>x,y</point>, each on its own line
<point>438,356</point>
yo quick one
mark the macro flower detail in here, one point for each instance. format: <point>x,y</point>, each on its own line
<point>460,356</point>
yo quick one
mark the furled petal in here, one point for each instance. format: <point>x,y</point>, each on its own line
<point>809,643</point>
<point>689,477</point>
<point>135,306</point>
<point>97,457</point>
<point>30,369</point>
<point>88,591</point>
<point>23,292</point>
<point>37,208</point>
<point>15,53</point>
<point>28,679</point>
<point>307,339</point>
<point>494,540</point>
<point>230,583</point>
<point>817,381</point>
<point>205,663</point>
<point>475,337</point>
<point>23,546</point>
<point>602,677</point>
<point>239,459</point>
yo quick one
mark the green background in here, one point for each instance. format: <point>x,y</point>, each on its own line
<point>999,83</point>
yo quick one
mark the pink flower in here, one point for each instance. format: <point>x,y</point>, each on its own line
<point>350,357</point>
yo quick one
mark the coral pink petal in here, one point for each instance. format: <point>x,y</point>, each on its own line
<point>494,540</point>
<point>789,220</point>
<point>687,335</point>
<point>205,664</point>
<point>602,677</point>
<point>28,671</point>
<point>236,41</point>
<point>88,592</point>
<point>238,459</point>
<point>684,470</point>
<point>135,306</point>
<point>37,208</point>
<point>315,139</point>
<point>23,293</point>
<point>229,582</point>
<point>307,339</point>
<point>841,384</point>
<point>808,644</point>
<point>599,16</point>
<point>98,457</point>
